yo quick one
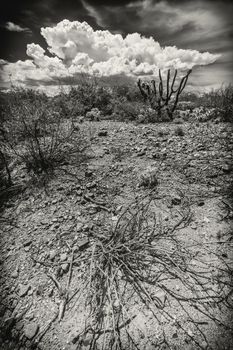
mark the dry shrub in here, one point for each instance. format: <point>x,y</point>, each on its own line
<point>139,260</point>
<point>38,135</point>
<point>126,111</point>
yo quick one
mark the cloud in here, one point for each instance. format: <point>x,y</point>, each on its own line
<point>74,48</point>
<point>12,27</point>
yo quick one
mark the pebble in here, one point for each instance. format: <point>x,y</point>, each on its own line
<point>65,267</point>
<point>27,243</point>
<point>15,274</point>
<point>31,330</point>
<point>23,289</point>
<point>63,257</point>
<point>103,133</point>
<point>52,254</point>
<point>79,226</point>
<point>176,200</point>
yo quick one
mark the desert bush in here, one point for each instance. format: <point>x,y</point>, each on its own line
<point>222,101</point>
<point>178,121</point>
<point>93,115</point>
<point>136,262</point>
<point>38,135</point>
<point>126,111</point>
<point>127,93</point>
<point>84,97</point>
<point>216,104</point>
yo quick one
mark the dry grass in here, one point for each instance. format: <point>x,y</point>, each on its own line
<point>139,258</point>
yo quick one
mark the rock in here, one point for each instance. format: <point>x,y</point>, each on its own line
<point>31,330</point>
<point>155,155</point>
<point>79,226</point>
<point>204,344</point>
<point>91,185</point>
<point>83,243</point>
<point>161,296</point>
<point>193,225</point>
<point>65,267</point>
<point>88,340</point>
<point>88,173</point>
<point>52,254</point>
<point>102,133</point>
<point>63,257</point>
<point>226,168</point>
<point>175,335</point>
<point>201,203</point>
<point>23,289</point>
<point>50,292</point>
<point>141,153</point>
<point>15,274</point>
<point>176,200</point>
<point>27,243</point>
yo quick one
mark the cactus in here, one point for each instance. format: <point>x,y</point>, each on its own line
<point>161,99</point>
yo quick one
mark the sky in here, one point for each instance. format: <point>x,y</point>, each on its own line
<point>46,43</point>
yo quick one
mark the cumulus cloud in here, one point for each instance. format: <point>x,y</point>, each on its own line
<point>12,27</point>
<point>74,48</point>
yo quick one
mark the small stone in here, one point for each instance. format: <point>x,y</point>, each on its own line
<point>141,153</point>
<point>176,200</point>
<point>23,290</point>
<point>161,296</point>
<point>190,332</point>
<point>155,155</point>
<point>31,330</point>
<point>83,243</point>
<point>27,243</point>
<point>88,173</point>
<point>79,226</point>
<point>50,292</point>
<point>204,344</point>
<point>102,133</point>
<point>52,254</point>
<point>91,185</point>
<point>15,274</point>
<point>65,267</point>
<point>87,341</point>
<point>193,225</point>
<point>226,168</point>
<point>63,257</point>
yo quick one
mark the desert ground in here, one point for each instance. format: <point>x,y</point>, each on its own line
<point>128,247</point>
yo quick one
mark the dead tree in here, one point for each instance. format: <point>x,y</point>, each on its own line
<point>163,98</point>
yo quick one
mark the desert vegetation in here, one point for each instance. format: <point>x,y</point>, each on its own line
<point>115,217</point>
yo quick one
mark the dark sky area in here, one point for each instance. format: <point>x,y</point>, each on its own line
<point>203,25</point>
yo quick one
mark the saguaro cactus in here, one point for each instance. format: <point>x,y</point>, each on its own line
<point>161,97</point>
